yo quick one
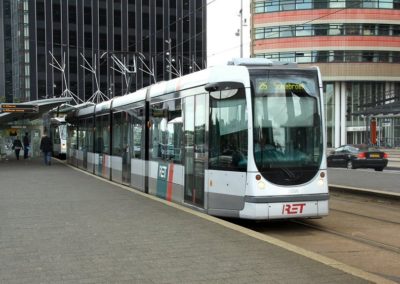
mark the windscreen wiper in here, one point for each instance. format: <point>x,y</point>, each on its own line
<point>291,175</point>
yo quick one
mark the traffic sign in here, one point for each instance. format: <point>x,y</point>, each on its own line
<point>19,108</point>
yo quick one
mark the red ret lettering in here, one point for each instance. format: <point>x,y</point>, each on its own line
<point>290,209</point>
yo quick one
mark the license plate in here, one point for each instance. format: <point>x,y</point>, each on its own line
<point>374,156</point>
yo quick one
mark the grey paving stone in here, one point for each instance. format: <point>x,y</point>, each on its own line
<point>58,225</point>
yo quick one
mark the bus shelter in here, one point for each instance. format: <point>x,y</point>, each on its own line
<point>383,124</point>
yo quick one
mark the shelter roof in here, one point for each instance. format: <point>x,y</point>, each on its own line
<point>43,107</point>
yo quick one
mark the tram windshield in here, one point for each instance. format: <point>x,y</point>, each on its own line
<point>63,131</point>
<point>287,125</point>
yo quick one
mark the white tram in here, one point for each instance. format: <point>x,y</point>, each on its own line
<point>245,140</point>
<point>58,135</point>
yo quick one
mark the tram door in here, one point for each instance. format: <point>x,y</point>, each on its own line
<point>126,134</point>
<point>194,149</point>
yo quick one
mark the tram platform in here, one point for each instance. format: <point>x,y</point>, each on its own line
<point>61,225</point>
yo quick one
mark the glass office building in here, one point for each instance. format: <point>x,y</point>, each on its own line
<point>154,32</point>
<point>356,44</point>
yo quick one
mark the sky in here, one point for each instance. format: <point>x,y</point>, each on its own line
<point>223,21</point>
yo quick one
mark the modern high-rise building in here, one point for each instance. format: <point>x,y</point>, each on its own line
<point>355,43</point>
<point>159,39</point>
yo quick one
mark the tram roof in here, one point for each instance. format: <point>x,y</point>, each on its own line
<point>213,74</point>
<point>139,95</point>
<point>235,71</point>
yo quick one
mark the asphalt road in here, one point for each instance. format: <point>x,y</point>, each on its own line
<point>387,180</point>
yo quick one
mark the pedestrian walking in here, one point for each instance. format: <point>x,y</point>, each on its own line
<point>17,146</point>
<point>46,145</point>
<point>26,143</point>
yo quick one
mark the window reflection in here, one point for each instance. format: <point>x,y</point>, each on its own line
<point>228,130</point>
<point>287,126</point>
<point>166,131</point>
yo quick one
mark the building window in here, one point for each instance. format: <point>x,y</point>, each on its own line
<point>304,30</point>
<point>334,56</point>
<point>88,40</point>
<point>56,13</point>
<point>72,38</point>
<point>88,15</point>
<point>287,31</point>
<point>102,17</point>
<point>40,11</point>
<point>367,56</point>
<point>117,18</point>
<point>57,36</point>
<point>335,30</point>
<point>327,29</point>
<point>41,35</point>
<point>369,30</point>
<point>287,5</point>
<point>72,14</point>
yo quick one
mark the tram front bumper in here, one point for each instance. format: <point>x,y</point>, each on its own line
<point>285,210</point>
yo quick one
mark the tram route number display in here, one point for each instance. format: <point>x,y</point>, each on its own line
<point>266,86</point>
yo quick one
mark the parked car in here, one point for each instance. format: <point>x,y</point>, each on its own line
<point>352,157</point>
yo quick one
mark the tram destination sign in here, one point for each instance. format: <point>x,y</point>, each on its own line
<point>19,108</point>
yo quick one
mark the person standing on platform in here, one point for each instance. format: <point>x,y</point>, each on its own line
<point>26,141</point>
<point>17,145</point>
<point>46,145</point>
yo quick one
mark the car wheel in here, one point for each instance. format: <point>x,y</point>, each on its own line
<point>378,169</point>
<point>350,165</point>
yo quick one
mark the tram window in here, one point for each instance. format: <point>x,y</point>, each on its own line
<point>81,135</point>
<point>116,135</point>
<point>106,134</point>
<point>166,131</point>
<point>286,121</point>
<point>102,134</point>
<point>56,135</point>
<point>89,136</point>
<point>137,126</point>
<point>72,137</point>
<point>228,130</point>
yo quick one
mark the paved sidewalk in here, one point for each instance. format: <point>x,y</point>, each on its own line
<point>59,225</point>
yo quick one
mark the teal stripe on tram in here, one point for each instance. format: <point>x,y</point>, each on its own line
<point>162,180</point>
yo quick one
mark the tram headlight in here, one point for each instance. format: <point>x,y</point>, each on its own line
<point>321,179</point>
<point>261,185</point>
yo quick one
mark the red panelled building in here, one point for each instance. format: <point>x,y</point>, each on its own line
<point>356,44</point>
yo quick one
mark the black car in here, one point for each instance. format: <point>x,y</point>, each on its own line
<point>352,157</point>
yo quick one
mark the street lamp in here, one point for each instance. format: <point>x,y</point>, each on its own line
<point>239,31</point>
<point>241,28</point>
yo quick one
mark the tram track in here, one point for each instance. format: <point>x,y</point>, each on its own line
<point>361,231</point>
<point>365,216</point>
<point>367,241</point>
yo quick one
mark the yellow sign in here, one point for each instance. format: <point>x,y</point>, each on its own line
<point>275,86</point>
